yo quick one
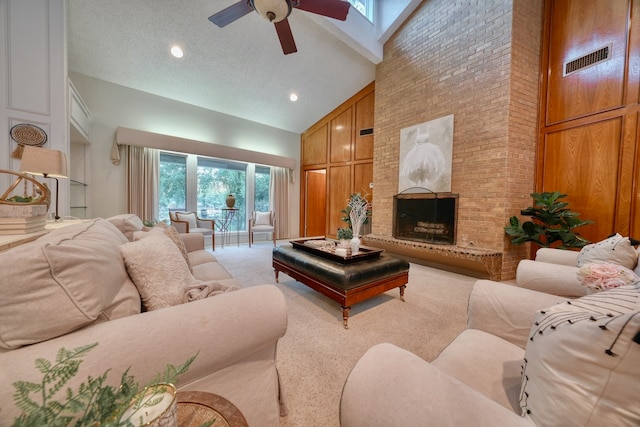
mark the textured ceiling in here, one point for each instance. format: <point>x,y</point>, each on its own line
<point>238,70</point>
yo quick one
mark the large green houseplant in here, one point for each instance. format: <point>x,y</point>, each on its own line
<point>552,223</point>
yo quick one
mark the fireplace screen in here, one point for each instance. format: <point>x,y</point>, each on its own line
<point>425,217</point>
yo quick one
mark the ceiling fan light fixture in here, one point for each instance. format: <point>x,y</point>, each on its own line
<point>272,10</point>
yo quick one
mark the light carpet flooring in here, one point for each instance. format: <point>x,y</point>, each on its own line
<point>317,353</point>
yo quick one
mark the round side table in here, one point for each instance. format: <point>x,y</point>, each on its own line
<point>198,407</point>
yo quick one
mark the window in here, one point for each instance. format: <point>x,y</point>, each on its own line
<point>365,7</point>
<point>261,188</point>
<point>173,184</point>
<point>216,180</point>
<point>202,184</point>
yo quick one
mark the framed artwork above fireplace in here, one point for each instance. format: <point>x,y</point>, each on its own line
<point>426,152</point>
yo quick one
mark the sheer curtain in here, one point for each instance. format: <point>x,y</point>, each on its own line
<point>279,181</point>
<point>142,181</point>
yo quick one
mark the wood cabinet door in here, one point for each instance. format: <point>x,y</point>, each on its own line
<point>314,146</point>
<point>364,121</point>
<point>341,135</point>
<point>582,162</point>
<point>581,81</point>
<point>315,203</point>
<point>339,192</point>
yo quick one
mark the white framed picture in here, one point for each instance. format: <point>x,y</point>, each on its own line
<point>426,152</point>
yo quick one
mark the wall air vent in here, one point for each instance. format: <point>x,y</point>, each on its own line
<point>588,60</point>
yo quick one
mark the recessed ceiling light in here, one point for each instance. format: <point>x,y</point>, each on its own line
<point>293,97</point>
<point>176,51</point>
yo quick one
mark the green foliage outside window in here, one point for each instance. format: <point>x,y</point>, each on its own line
<point>172,193</point>
<point>261,189</point>
<point>214,185</point>
<point>216,179</point>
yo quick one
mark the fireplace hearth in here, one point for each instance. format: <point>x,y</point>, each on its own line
<point>425,217</point>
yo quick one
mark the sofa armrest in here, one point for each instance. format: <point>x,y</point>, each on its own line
<point>193,241</point>
<point>390,386</point>
<point>224,330</point>
<point>549,278</point>
<point>557,256</point>
<point>505,310</point>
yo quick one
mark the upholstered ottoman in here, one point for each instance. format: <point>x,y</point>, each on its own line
<point>345,283</point>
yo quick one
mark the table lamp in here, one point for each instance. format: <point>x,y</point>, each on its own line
<point>45,162</point>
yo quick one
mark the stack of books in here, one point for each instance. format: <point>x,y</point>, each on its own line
<point>16,219</point>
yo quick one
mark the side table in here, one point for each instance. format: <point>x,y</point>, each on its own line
<point>229,218</point>
<point>198,407</point>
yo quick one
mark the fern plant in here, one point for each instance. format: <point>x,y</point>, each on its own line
<point>93,404</point>
<point>552,225</point>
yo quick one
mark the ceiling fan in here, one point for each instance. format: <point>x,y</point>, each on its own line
<point>277,11</point>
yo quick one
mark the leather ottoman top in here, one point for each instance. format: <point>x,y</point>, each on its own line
<point>343,276</point>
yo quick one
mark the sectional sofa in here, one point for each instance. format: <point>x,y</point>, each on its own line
<point>104,281</point>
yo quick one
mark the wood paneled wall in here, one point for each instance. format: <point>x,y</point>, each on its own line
<point>336,162</point>
<point>589,141</point>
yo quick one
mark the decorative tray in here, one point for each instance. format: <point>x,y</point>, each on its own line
<point>308,245</point>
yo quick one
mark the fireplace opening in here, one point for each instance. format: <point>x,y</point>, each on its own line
<point>425,217</point>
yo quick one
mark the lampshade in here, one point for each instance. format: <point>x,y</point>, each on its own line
<point>272,10</point>
<point>41,161</point>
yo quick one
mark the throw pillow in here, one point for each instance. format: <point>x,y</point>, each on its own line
<point>158,270</point>
<point>263,218</point>
<point>598,277</point>
<point>127,224</point>
<point>173,234</point>
<point>189,217</point>
<point>581,363</point>
<point>616,249</point>
<point>62,282</point>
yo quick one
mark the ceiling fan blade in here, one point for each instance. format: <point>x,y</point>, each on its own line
<point>232,13</point>
<point>336,9</point>
<point>286,37</point>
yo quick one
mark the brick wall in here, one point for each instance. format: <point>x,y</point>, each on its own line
<point>478,60</point>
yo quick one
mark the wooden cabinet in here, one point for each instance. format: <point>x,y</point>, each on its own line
<point>589,143</point>
<point>337,160</point>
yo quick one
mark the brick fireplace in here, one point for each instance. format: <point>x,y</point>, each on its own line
<point>425,217</point>
<point>480,63</point>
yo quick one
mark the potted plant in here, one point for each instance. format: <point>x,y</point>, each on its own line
<point>552,223</point>
<point>362,205</point>
<point>344,235</point>
<point>94,403</point>
<point>356,215</point>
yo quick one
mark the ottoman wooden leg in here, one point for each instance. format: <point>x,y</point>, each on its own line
<point>277,275</point>
<point>345,316</point>
<point>402,288</point>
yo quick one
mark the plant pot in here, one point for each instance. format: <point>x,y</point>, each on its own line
<point>231,201</point>
<point>155,406</point>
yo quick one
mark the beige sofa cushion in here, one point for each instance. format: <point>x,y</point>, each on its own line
<point>496,373</point>
<point>127,224</point>
<point>62,282</point>
<point>582,365</point>
<point>189,217</point>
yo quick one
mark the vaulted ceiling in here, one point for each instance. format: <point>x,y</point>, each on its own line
<point>238,70</point>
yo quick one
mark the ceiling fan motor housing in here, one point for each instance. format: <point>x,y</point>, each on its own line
<point>272,10</point>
